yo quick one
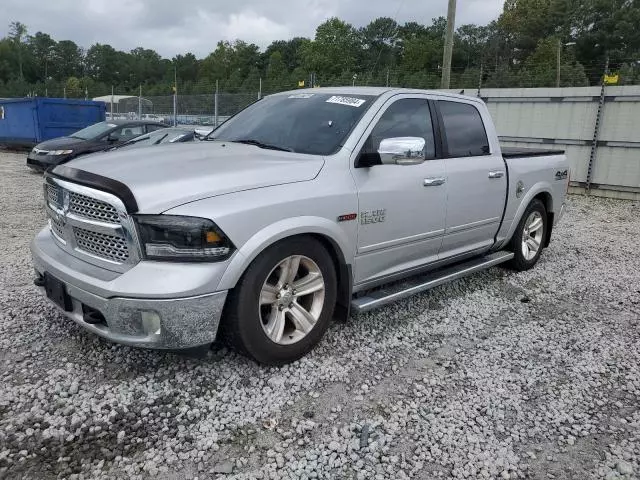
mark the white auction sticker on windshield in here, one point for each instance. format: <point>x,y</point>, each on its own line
<point>301,95</point>
<point>350,101</point>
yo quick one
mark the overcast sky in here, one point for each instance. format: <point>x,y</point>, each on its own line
<point>179,26</point>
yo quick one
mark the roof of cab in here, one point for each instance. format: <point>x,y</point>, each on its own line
<point>375,91</point>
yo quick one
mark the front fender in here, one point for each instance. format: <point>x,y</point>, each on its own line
<point>278,231</point>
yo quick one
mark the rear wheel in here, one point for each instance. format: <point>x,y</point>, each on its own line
<point>284,302</point>
<point>527,241</point>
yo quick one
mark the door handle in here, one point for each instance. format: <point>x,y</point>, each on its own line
<point>496,174</point>
<point>433,181</point>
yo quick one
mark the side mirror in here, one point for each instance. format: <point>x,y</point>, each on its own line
<point>402,151</point>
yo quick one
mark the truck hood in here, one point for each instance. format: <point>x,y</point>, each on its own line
<point>166,176</point>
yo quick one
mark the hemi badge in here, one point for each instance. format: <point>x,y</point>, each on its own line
<point>347,217</point>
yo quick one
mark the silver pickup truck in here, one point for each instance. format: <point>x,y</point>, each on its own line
<point>305,206</point>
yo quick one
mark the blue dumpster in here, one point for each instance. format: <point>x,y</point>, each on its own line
<point>28,121</point>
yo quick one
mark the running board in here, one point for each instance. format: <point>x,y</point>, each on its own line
<point>411,286</point>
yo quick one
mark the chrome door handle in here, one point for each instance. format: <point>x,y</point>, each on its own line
<point>496,174</point>
<point>433,181</point>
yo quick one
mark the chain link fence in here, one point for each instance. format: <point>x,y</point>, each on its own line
<point>192,107</point>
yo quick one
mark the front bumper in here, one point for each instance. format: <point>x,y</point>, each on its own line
<point>179,323</point>
<point>129,308</point>
<point>42,162</point>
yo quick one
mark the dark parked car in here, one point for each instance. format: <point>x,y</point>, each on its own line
<point>99,136</point>
<point>164,135</point>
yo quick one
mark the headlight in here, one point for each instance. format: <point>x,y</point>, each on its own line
<point>60,152</point>
<point>182,239</point>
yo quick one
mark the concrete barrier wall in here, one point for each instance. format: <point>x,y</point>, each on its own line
<point>608,165</point>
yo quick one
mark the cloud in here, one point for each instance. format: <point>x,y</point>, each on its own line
<point>171,27</point>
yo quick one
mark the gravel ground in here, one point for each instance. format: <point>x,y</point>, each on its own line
<point>500,375</point>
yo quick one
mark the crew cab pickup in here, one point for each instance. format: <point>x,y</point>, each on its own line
<point>305,206</point>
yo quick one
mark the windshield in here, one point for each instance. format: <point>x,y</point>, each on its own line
<point>93,131</point>
<point>310,123</point>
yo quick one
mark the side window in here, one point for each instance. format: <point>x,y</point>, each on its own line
<point>407,117</point>
<point>466,136</point>
<point>153,128</point>
<point>130,131</point>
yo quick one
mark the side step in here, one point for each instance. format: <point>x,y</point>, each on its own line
<point>420,283</point>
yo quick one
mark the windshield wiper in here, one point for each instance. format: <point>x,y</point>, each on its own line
<point>132,141</point>
<point>160,139</point>
<point>258,143</point>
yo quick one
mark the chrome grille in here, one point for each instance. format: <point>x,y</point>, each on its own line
<point>88,207</point>
<point>91,225</point>
<point>54,195</point>
<point>57,227</point>
<point>111,247</point>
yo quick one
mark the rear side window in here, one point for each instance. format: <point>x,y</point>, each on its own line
<point>465,133</point>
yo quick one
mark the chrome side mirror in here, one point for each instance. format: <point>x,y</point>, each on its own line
<point>402,151</point>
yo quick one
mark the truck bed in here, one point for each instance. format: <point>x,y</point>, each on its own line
<point>520,152</point>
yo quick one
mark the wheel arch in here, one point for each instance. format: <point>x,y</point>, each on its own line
<point>541,191</point>
<point>547,200</point>
<point>333,238</point>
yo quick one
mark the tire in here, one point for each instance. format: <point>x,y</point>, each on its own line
<point>263,317</point>
<point>524,239</point>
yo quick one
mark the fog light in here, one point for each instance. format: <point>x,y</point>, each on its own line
<point>151,322</point>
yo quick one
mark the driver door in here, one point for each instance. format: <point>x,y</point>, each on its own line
<point>402,208</point>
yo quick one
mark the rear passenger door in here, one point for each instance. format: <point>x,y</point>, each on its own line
<point>476,179</point>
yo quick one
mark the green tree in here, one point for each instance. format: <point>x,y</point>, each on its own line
<point>73,87</point>
<point>42,47</point>
<point>67,60</point>
<point>333,51</point>
<point>380,43</point>
<point>17,33</point>
<point>277,77</point>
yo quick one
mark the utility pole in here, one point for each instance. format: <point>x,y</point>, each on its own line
<point>140,103</point>
<point>260,89</point>
<point>448,45</point>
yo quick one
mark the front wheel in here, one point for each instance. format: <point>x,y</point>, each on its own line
<point>284,302</point>
<point>528,239</point>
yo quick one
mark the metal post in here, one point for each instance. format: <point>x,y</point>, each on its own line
<point>215,107</point>
<point>64,91</point>
<point>175,97</point>
<point>480,80</point>
<point>260,89</point>
<point>448,45</point>
<point>596,129</point>
<point>558,64</point>
<point>111,109</point>
<point>140,103</point>
<point>387,77</point>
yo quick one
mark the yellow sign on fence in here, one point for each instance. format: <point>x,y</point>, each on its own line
<point>301,83</point>
<point>611,79</point>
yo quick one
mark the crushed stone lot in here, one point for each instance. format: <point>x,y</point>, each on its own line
<point>499,375</point>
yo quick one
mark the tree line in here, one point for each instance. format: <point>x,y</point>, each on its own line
<point>519,49</point>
